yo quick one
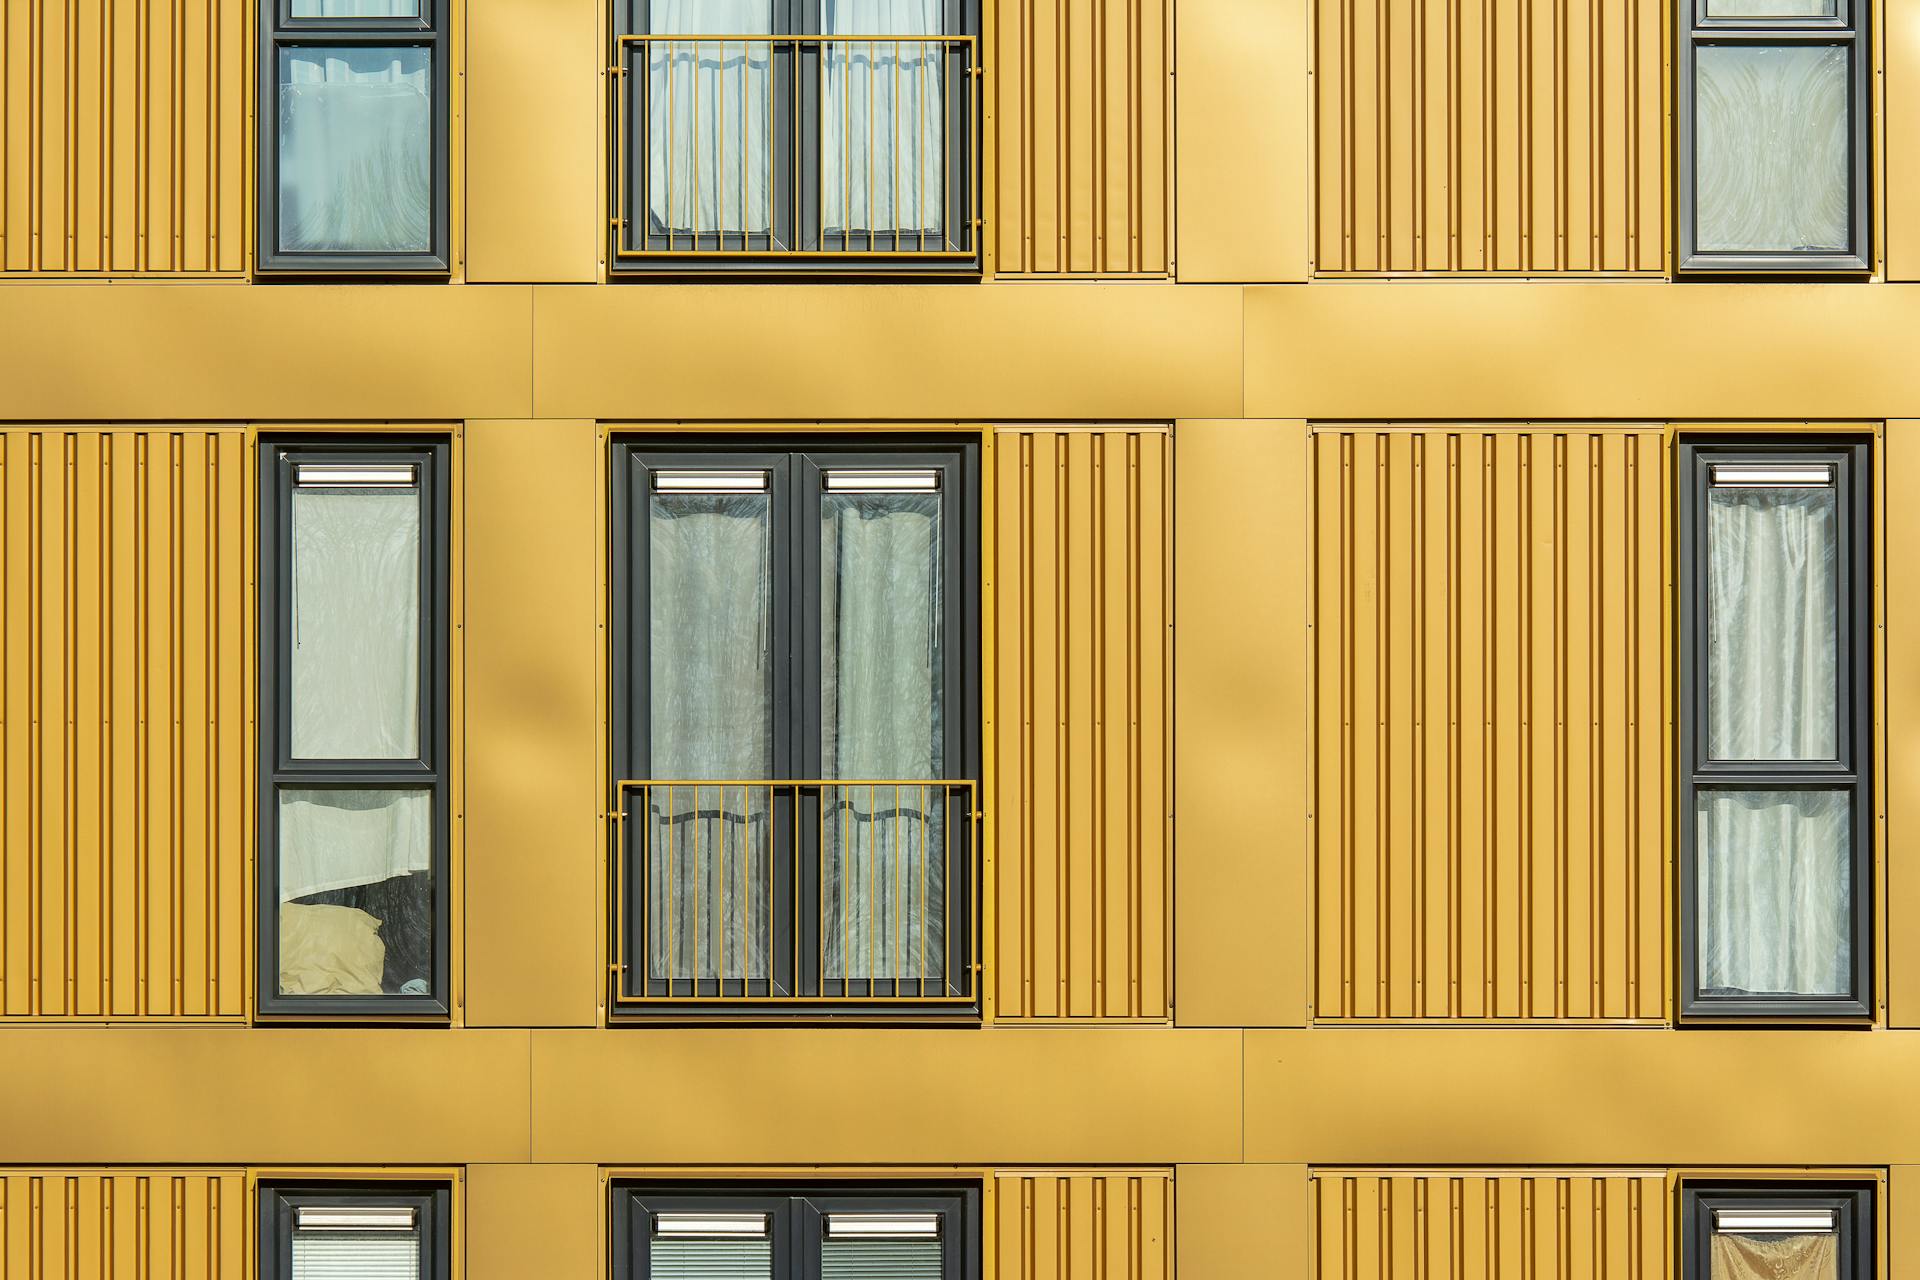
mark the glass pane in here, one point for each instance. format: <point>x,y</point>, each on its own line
<point>711,701</point>
<point>355,660</point>
<point>711,1260</point>
<point>356,892</point>
<point>1772,628</point>
<point>356,149</point>
<point>880,1260</point>
<point>356,1255</point>
<point>1774,141</point>
<point>1775,892</point>
<point>883,161</point>
<point>355,8</point>
<point>882,717</point>
<point>709,112</point>
<point>1744,1257</point>
<point>1773,8</point>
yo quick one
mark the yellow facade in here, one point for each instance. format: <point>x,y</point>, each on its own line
<point>1329,865</point>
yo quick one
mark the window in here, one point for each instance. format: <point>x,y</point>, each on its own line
<point>1777,1230</point>
<point>355,1231</point>
<point>796,134</point>
<point>353,136</point>
<point>1775,820</point>
<point>857,1231</point>
<point>1774,157</point>
<point>353,741</point>
<point>797,693</point>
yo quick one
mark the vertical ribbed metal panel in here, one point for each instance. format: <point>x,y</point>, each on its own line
<point>123,137</point>
<point>1082,591</point>
<point>1523,136</point>
<point>1085,1225</point>
<point>1469,1224</point>
<point>79,1224</point>
<point>125,700</point>
<point>1081,96</point>
<point>1491,781</point>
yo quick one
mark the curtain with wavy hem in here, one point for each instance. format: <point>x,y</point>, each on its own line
<point>709,118</point>
<point>356,149</point>
<point>883,130</point>
<point>1737,1257</point>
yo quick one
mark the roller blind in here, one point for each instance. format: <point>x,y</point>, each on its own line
<point>750,1259</point>
<point>356,1255</point>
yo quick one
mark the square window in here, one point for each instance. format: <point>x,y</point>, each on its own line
<point>374,1230</point>
<point>1787,1230</point>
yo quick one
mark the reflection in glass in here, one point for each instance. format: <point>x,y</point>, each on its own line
<point>356,892</point>
<point>1775,892</point>
<point>1773,8</point>
<point>356,149</point>
<point>1773,148</point>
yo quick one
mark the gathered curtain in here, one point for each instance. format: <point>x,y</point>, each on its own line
<point>883,131</point>
<point>709,118</point>
<point>1736,1257</point>
<point>356,149</point>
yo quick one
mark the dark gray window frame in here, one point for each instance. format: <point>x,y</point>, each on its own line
<point>775,253</point>
<point>794,462</point>
<point>1851,1200</point>
<point>796,1209</point>
<point>277,766</point>
<point>432,1201</point>
<point>1849,30</point>
<point>1852,772</point>
<point>280,30</point>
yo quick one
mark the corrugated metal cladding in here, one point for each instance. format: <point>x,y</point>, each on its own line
<point>1092,1225</point>
<point>1491,135</point>
<point>184,1225</point>
<point>1468,1224</point>
<point>1491,783</point>
<point>1082,591</point>
<point>1081,108</point>
<point>124,707</point>
<point>123,137</point>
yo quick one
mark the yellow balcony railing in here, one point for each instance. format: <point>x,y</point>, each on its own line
<point>823,892</point>
<point>745,148</point>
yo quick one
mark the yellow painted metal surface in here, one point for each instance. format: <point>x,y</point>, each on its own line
<point>1082,783</point>
<point>1464,1224</point>
<point>125,721</point>
<point>85,1224</point>
<point>1083,1225</point>
<point>1524,136</point>
<point>1489,657</point>
<point>1080,112</point>
<point>124,137</point>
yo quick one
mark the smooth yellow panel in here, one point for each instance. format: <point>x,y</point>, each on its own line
<point>534,795</point>
<point>1243,1221</point>
<point>535,87</point>
<point>1245,184</point>
<point>533,1220</point>
<point>1240,717</point>
<point>887,352</point>
<point>1902,1216</point>
<point>292,351</point>
<point>805,1096</point>
<point>1901,556</point>
<point>387,1095</point>
<point>1087,1224</point>
<point>1900,34</point>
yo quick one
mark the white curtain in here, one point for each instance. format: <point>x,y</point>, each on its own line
<point>1772,633</point>
<point>881,611</point>
<point>710,596</point>
<point>356,8</point>
<point>709,166</point>
<point>1773,141</point>
<point>1786,1258</point>
<point>1775,893</point>
<point>883,119</point>
<point>336,839</point>
<point>355,674</point>
<point>356,149</point>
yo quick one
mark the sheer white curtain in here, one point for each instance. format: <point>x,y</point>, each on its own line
<point>356,149</point>
<point>1773,147</point>
<point>709,106</point>
<point>881,610</point>
<point>883,118</point>
<point>1775,893</point>
<point>710,596</point>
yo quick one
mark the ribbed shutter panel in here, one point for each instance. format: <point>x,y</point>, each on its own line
<point>356,1255</point>
<point>712,1260</point>
<point>880,1260</point>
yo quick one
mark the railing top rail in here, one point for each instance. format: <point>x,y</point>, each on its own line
<point>768,37</point>
<point>795,782</point>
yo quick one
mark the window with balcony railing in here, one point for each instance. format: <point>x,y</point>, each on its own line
<point>796,811</point>
<point>834,135</point>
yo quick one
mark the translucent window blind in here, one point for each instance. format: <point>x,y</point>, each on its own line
<point>356,1255</point>
<point>748,1259</point>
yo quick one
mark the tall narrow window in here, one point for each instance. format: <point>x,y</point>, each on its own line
<point>353,136</point>
<point>355,1231</point>
<point>1774,731</point>
<point>1774,155</point>
<point>1786,1230</point>
<point>353,742</point>
<point>798,736</point>
<point>796,134</point>
<point>822,1231</point>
